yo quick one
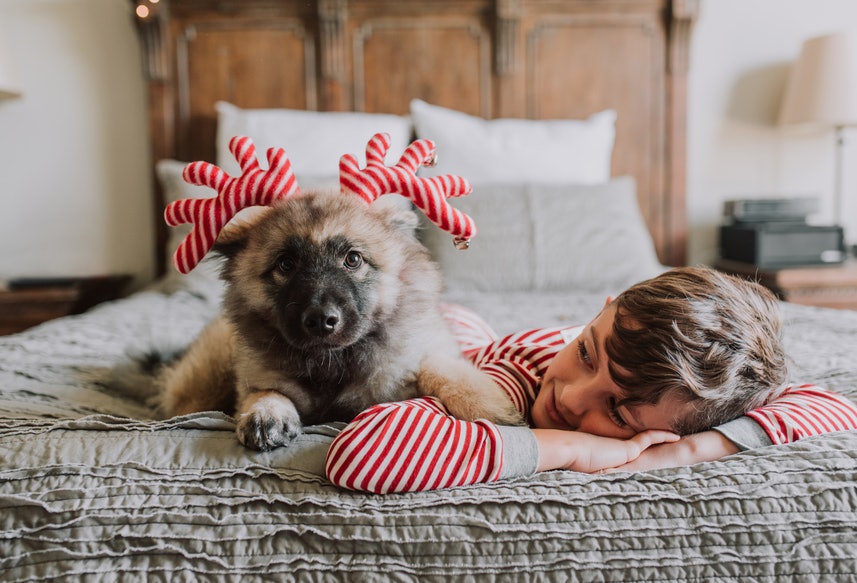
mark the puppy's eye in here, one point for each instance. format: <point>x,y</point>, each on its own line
<point>285,264</point>
<point>353,260</point>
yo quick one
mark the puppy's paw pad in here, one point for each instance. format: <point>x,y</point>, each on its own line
<point>270,421</point>
<point>265,433</point>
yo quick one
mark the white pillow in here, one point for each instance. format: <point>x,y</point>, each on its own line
<point>548,238</point>
<point>313,140</point>
<point>508,150</point>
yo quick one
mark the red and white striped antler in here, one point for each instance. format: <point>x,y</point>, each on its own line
<point>257,187</point>
<point>254,187</point>
<point>429,194</point>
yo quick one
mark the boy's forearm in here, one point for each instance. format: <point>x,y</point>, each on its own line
<point>556,449</point>
<point>413,445</point>
<point>520,452</point>
<point>804,411</point>
<point>744,433</point>
<point>705,446</point>
<point>583,452</point>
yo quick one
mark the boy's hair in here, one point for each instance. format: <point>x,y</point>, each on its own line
<point>701,337</point>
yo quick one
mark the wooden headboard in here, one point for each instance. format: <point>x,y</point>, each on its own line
<point>494,58</point>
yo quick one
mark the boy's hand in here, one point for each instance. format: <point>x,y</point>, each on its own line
<point>583,452</point>
<point>690,449</point>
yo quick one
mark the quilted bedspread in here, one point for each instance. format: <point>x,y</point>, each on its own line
<point>93,486</point>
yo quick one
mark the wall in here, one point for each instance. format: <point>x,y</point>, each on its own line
<point>740,59</point>
<point>74,164</point>
<point>75,174</point>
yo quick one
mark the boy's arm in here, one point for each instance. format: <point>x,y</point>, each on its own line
<point>705,446</point>
<point>584,452</point>
<point>798,412</point>
<point>805,411</point>
<point>416,445</point>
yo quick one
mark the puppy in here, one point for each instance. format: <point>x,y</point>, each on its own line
<point>331,306</point>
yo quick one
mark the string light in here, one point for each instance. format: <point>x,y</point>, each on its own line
<point>145,8</point>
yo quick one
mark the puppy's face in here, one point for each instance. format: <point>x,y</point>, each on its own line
<point>320,269</point>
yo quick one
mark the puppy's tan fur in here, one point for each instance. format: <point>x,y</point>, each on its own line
<point>331,306</point>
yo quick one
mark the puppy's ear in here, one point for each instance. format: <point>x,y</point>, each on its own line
<point>402,218</point>
<point>405,220</point>
<point>231,240</point>
<point>234,236</point>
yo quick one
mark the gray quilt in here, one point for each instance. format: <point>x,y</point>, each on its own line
<point>92,486</point>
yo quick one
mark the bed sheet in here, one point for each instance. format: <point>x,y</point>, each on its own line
<point>92,484</point>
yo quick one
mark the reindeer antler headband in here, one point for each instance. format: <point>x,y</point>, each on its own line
<point>257,187</point>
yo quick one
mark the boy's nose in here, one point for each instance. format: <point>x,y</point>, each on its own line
<point>574,403</point>
<point>581,410</point>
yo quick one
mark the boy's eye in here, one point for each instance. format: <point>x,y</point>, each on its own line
<point>583,354</point>
<point>613,412</point>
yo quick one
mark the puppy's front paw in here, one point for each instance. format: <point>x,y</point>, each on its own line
<point>267,420</point>
<point>493,406</point>
<point>467,393</point>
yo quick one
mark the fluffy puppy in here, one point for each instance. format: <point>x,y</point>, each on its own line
<point>331,306</point>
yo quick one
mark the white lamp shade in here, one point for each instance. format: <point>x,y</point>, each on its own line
<point>822,87</point>
<point>9,83</point>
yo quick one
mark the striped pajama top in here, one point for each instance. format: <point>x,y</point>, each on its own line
<point>416,445</point>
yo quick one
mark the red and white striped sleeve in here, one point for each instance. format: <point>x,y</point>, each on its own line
<point>416,445</point>
<point>413,445</point>
<point>517,362</point>
<point>469,329</point>
<point>804,411</point>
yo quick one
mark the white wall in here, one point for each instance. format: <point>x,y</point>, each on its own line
<point>740,59</point>
<point>74,162</point>
<point>75,172</point>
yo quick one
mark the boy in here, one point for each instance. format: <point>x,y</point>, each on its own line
<point>689,350</point>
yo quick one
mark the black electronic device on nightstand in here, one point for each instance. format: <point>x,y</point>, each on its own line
<point>773,233</point>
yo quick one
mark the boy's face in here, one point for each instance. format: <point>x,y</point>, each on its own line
<point>577,392</point>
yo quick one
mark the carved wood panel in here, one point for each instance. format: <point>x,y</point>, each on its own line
<point>395,60</point>
<point>578,65</point>
<point>493,58</point>
<point>254,64</point>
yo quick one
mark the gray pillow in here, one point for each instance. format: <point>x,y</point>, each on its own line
<point>548,238</point>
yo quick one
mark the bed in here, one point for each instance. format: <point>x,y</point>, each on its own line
<point>591,98</point>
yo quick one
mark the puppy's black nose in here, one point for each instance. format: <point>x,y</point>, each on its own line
<point>320,321</point>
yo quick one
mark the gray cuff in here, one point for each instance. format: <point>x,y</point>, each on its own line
<point>520,452</point>
<point>745,433</point>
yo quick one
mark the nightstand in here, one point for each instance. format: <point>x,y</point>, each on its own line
<point>27,302</point>
<point>828,286</point>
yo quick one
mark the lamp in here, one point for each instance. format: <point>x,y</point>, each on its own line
<point>9,86</point>
<point>822,91</point>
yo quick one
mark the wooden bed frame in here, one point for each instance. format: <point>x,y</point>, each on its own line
<point>536,59</point>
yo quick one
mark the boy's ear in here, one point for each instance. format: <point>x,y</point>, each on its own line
<point>609,301</point>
